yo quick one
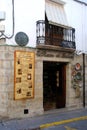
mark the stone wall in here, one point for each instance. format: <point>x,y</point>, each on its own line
<point>74,87</point>
<point>75,97</point>
<point>8,106</point>
<point>15,108</point>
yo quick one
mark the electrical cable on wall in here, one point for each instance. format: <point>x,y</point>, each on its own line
<point>13,24</point>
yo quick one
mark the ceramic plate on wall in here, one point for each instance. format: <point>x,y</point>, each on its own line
<point>21,39</point>
<point>77,66</point>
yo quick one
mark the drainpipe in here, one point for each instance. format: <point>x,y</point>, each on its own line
<point>84,80</point>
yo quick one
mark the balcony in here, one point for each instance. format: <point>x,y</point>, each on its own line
<point>48,34</point>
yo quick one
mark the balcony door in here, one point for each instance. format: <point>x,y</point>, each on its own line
<point>54,85</point>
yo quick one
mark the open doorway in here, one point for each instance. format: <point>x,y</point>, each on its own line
<point>54,85</point>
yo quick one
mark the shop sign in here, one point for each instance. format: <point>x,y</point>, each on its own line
<point>23,74</point>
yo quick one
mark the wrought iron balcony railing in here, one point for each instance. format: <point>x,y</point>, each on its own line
<point>48,34</point>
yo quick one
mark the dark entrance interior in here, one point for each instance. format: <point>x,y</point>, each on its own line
<point>54,85</point>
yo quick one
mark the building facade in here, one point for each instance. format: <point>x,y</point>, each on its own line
<point>43,67</point>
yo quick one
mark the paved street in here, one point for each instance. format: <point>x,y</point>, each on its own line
<point>68,120</point>
<point>78,125</point>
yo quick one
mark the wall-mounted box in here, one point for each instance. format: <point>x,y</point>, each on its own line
<point>2,15</point>
<point>2,28</point>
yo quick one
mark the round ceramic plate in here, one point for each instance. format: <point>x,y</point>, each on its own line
<point>78,76</point>
<point>77,66</point>
<point>21,39</point>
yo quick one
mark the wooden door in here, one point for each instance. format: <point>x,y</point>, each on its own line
<point>61,89</point>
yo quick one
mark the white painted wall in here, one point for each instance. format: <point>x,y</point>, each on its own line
<point>77,18</point>
<point>27,12</point>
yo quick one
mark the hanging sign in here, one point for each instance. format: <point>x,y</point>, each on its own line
<point>23,74</point>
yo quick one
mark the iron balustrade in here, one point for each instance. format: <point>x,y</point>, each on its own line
<point>40,31</point>
<point>48,34</point>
